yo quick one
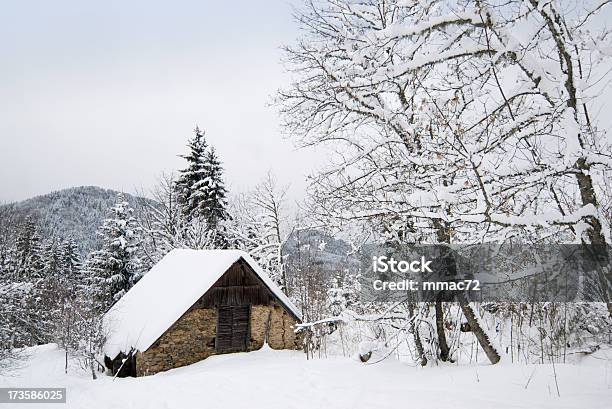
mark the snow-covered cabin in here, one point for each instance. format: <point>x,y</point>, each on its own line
<point>194,304</point>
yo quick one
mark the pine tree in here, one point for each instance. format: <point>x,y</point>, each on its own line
<point>51,259</point>
<point>116,267</point>
<point>50,291</point>
<point>191,179</point>
<point>201,194</point>
<point>8,264</point>
<point>213,192</point>
<point>70,258</point>
<point>29,251</point>
<point>26,239</point>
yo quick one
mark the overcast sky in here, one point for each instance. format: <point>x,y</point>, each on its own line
<point>107,93</point>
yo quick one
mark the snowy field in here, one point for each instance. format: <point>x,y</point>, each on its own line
<point>284,379</point>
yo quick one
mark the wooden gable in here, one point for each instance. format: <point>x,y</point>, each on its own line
<point>239,285</point>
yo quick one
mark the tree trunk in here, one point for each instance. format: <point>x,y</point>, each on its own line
<point>417,338</point>
<point>572,69</point>
<point>443,235</point>
<point>91,366</point>
<point>481,336</point>
<point>595,232</point>
<point>442,344</point>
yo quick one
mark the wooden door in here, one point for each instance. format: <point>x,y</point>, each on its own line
<point>233,328</point>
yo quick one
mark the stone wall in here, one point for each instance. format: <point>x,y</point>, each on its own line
<point>192,338</point>
<point>281,334</point>
<point>189,340</point>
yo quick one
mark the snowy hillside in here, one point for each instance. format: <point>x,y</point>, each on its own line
<point>69,213</point>
<point>320,250</point>
<point>77,212</point>
<point>284,379</point>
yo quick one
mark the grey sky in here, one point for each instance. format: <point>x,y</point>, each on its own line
<point>107,93</point>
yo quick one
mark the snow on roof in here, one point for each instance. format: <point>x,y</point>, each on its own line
<point>167,291</point>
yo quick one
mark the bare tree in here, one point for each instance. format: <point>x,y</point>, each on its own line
<point>260,225</point>
<point>443,116</point>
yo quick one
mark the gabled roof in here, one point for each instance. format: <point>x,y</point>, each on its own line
<point>167,291</point>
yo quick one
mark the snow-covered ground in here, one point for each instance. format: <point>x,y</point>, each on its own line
<point>285,379</point>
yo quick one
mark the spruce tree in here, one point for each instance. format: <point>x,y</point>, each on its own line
<point>70,258</point>
<point>201,194</point>
<point>29,251</point>
<point>51,259</point>
<point>50,291</point>
<point>191,179</point>
<point>213,192</point>
<point>116,267</point>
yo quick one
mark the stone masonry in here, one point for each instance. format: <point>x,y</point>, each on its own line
<point>282,328</point>
<point>189,340</point>
<point>192,338</point>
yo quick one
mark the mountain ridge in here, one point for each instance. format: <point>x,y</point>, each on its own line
<point>74,212</point>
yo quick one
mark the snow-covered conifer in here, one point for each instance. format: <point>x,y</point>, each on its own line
<point>29,257</point>
<point>116,266</point>
<point>212,191</point>
<point>70,258</point>
<point>192,178</point>
<point>201,191</point>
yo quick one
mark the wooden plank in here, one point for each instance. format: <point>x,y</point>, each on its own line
<point>240,327</point>
<point>233,328</point>
<point>224,329</point>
